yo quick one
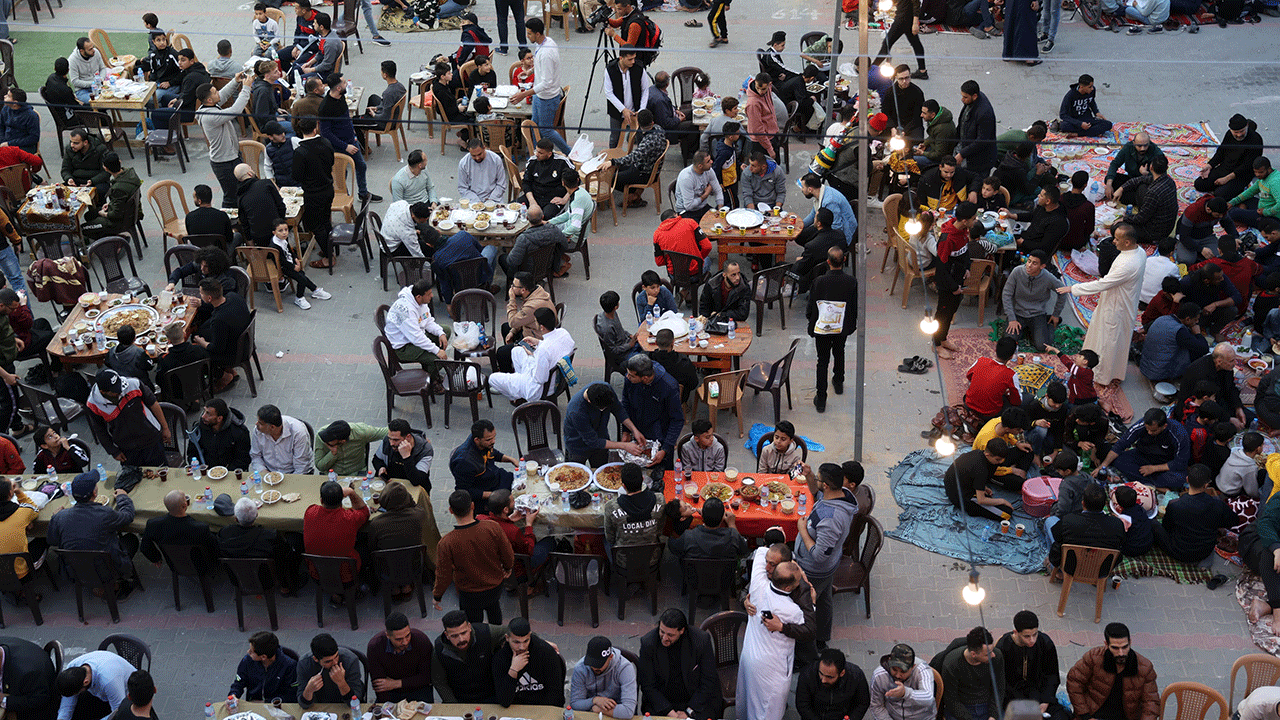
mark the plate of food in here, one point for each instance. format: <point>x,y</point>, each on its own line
<point>569,476</point>
<point>88,299</point>
<point>717,490</point>
<point>92,314</point>
<point>777,488</point>
<point>750,492</point>
<point>217,472</point>
<point>140,317</point>
<point>274,477</point>
<point>271,497</point>
<point>609,477</point>
<point>481,225</point>
<point>245,716</point>
<point>744,218</point>
<point>699,112</point>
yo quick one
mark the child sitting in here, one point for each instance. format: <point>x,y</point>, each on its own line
<point>292,268</point>
<point>1138,537</point>
<point>152,24</point>
<point>702,86</point>
<point>1164,302</point>
<point>523,73</point>
<point>1199,426</point>
<point>1079,374</point>
<point>1048,420</point>
<point>266,31</point>
<point>991,198</point>
<point>225,66</point>
<point>279,146</point>
<point>1204,391</point>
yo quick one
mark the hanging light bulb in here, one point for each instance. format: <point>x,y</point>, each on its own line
<point>944,446</point>
<point>972,593</point>
<point>885,6</point>
<point>896,143</point>
<point>886,70</point>
<point>913,225</point>
<point>928,325</point>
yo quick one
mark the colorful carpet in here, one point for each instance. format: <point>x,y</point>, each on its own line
<point>1158,563</point>
<point>1263,633</point>
<point>974,343</point>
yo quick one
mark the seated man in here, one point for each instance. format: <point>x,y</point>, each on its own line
<point>206,219</point>
<point>110,217</point>
<point>813,260</point>
<point>414,334</point>
<point>329,674</point>
<point>1239,476</point>
<point>411,183</point>
<point>966,482</point>
<point>220,438</point>
<point>1197,228</point>
<point>1159,266</point>
<point>181,352</point>
<point>539,235</point>
<point>474,465</point>
<point>1266,187</point>
<point>1026,293</point>
<point>1230,169</point>
<point>407,230</point>
<point>1080,213</point>
<point>703,452</point>
<point>617,344</point>
<point>945,186</point>
<point>991,382</point>
<point>1128,162</point>
<point>331,529</point>
<point>245,538</point>
<point>178,528</point>
<point>93,685</point>
<point>1189,531</point>
<point>633,517</point>
<point>902,686</point>
<point>220,334</point>
<point>1158,210</point>
<point>1155,450</point>
<point>635,167</point>
<point>29,678</point>
<point>586,426</point>
<point>678,670</point>
<point>400,662</point>
<point>462,661</point>
<point>679,234</point>
<point>1239,268</point>
<point>1078,114</point>
<point>1048,224</point>
<point>1031,664</point>
<point>678,366</point>
<point>1218,367</point>
<point>967,688</point>
<point>832,688</point>
<point>696,187</point>
<point>82,162</point>
<point>717,538</point>
<point>656,297</point>
<point>502,510</point>
<point>1172,343</point>
<point>726,295</point>
<point>825,196</point>
<point>343,447</point>
<point>1129,677</point>
<point>524,298</point>
<point>574,216</point>
<point>281,443</point>
<point>482,174</point>
<point>405,454</point>
<point>265,673</point>
<point>543,181</point>
<point>527,670</point>
<point>764,185</point>
<point>19,123</point>
<point>604,681</point>
<point>88,525</point>
<point>533,361</point>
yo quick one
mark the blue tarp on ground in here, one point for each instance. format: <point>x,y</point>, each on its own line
<point>929,521</point>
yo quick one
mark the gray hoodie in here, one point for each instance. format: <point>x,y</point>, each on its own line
<point>617,682</point>
<point>828,525</point>
<point>917,704</point>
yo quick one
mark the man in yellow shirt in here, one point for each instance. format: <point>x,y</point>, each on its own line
<point>1010,426</point>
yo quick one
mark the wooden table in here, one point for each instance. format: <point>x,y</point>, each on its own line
<point>753,241</point>
<point>496,234</point>
<point>720,352</point>
<point>31,218</point>
<point>519,111</point>
<point>117,106</point>
<point>752,519</point>
<point>94,356</point>
<point>447,710</point>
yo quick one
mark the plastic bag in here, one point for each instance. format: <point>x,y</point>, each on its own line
<point>583,149</point>
<point>1095,191</point>
<point>466,335</point>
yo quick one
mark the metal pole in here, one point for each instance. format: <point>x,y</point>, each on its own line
<point>860,258</point>
<point>832,61</point>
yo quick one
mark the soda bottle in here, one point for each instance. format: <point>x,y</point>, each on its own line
<point>355,706</point>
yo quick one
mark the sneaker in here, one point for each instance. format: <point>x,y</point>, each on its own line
<point>920,74</point>
<point>502,50</point>
<point>381,40</point>
<point>302,303</point>
<point>1135,30</point>
<point>1055,126</point>
<point>320,294</point>
<point>977,32</point>
<point>371,197</point>
<point>1042,37</point>
<point>1155,29</point>
<point>1047,47</point>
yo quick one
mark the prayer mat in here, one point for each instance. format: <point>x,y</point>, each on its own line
<point>929,521</point>
<point>1248,587</point>
<point>1157,562</point>
<point>974,343</point>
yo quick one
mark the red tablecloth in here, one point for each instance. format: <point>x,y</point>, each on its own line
<point>752,519</point>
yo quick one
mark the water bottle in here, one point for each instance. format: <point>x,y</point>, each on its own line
<point>484,339</point>
<point>364,489</point>
<point>257,482</point>
<point>986,532</point>
<point>102,473</point>
<point>368,477</point>
<point>53,475</point>
<point>208,498</point>
<point>568,713</point>
<point>195,469</point>
<point>101,339</point>
<point>679,474</point>
<point>732,333</point>
<point>333,475</point>
<point>804,501</point>
<point>138,75</point>
<point>232,703</point>
<point>244,489</point>
<point>208,710</point>
<point>693,334</point>
<point>355,706</point>
<point>1128,209</point>
<point>648,319</point>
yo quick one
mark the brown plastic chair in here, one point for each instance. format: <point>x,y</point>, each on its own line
<point>642,565</point>
<point>1091,567</point>
<point>397,567</point>
<point>726,629</point>
<point>247,351</point>
<point>703,577</point>
<point>189,561</point>
<point>515,188</point>
<point>730,395</point>
<point>348,24</point>
<point>394,129</point>
<point>892,204</point>
<point>540,420</point>
<point>1195,701</point>
<point>344,194</point>
<point>399,381</point>
<point>654,182</point>
<point>453,375</point>
<point>1259,669</point>
<point>264,267</point>
<point>329,569</point>
<point>182,42</point>
<point>578,572</point>
<point>599,184</point>
<point>252,151</point>
<point>854,574</point>
<point>235,271</point>
<point>253,576</point>
<point>908,268</point>
<point>772,379</point>
<point>16,586</point>
<point>94,570</point>
<point>103,42</point>
<point>978,285</point>
<point>555,9</point>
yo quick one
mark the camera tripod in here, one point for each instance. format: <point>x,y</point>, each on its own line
<point>606,49</point>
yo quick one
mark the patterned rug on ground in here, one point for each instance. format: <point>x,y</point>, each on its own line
<point>976,342</point>
<point>929,521</point>
<point>1157,562</point>
<point>1263,633</point>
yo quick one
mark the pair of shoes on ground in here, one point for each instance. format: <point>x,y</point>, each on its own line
<point>915,365</point>
<point>319,294</point>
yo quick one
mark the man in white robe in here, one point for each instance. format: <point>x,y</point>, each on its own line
<point>764,672</point>
<point>534,360</point>
<point>1112,325</point>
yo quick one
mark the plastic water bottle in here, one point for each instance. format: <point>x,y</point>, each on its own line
<point>208,710</point>
<point>232,703</point>
<point>101,339</point>
<point>804,501</point>
<point>138,76</point>
<point>648,318</point>
<point>364,489</point>
<point>679,474</point>
<point>257,482</point>
<point>244,489</point>
<point>693,334</point>
<point>102,473</point>
<point>368,477</point>
<point>53,475</point>
<point>195,469</point>
<point>333,475</point>
<point>568,713</point>
<point>732,333</point>
<point>986,532</point>
<point>355,706</point>
<point>208,498</point>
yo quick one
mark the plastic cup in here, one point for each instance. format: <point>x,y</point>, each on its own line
<point>1019,529</point>
<point>531,470</point>
<point>1004,527</point>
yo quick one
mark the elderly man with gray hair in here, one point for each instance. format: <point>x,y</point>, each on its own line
<point>247,539</point>
<point>178,528</point>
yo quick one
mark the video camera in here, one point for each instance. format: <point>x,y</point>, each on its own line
<point>601,15</point>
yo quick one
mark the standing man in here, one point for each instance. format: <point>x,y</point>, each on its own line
<point>1112,682</point>
<point>1112,325</point>
<point>977,128</point>
<point>127,419</point>
<point>1026,293</point>
<point>651,398</point>
<point>400,662</point>
<point>820,540</point>
<point>586,426</point>
<point>218,121</point>
<point>764,672</point>
<point>833,315</point>
<point>313,172</point>
<point>1031,665</point>
<point>475,556</point>
<point>547,89</point>
<point>337,128</point>
<point>98,679</point>
<point>528,670</point>
<point>677,670</point>
<point>626,91</point>
<point>474,465</point>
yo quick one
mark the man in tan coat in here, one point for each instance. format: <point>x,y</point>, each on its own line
<point>1112,682</point>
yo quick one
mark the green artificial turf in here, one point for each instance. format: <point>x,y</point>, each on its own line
<point>35,52</point>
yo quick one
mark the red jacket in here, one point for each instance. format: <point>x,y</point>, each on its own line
<point>682,235</point>
<point>1240,272</point>
<point>990,387</point>
<point>18,156</point>
<point>1162,304</point>
<point>10,461</point>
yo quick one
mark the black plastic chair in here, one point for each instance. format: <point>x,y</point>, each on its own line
<point>107,252</point>
<point>188,386</point>
<point>53,649</point>
<point>61,123</point>
<point>612,363</point>
<point>354,234</point>
<point>725,629</point>
<point>708,577</point>
<point>531,576</point>
<point>329,569</point>
<point>133,224</point>
<point>408,270</point>
<point>580,573</point>
<point>203,241</point>
<point>243,282</point>
<point>477,305</point>
<point>642,564</point>
<point>853,574</point>
<point>454,376</point>
<point>190,561</point>
<point>555,385</point>
<point>401,566</point>
<point>49,409</point>
<point>766,290</point>
<point>254,576</point>
<point>467,275</point>
<point>579,246</point>
<point>20,588</point>
<point>247,350</point>
<point>157,139</point>
<point>179,255</point>
<point>540,419</point>
<point>56,244</point>
<point>364,667</point>
<point>400,381</point>
<point>133,649</point>
<point>772,379</point>
<point>177,420</point>
<point>100,124</point>
<point>94,570</point>
<point>540,263</point>
<point>683,279</point>
<point>639,288</point>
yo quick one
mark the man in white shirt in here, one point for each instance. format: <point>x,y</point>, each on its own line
<point>482,175</point>
<point>413,333</point>
<point>1159,267</point>
<point>1262,704</point>
<point>534,360</point>
<point>695,185</point>
<point>407,230</point>
<point>626,90</point>
<point>546,90</point>
<point>281,443</point>
<point>411,183</point>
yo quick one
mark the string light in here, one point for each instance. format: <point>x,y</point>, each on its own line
<point>886,69</point>
<point>944,446</point>
<point>928,325</point>
<point>972,593</point>
<point>885,6</point>
<point>913,225</point>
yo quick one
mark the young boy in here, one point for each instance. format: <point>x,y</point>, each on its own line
<point>1048,420</point>
<point>1138,537</point>
<point>718,21</point>
<point>1011,427</point>
<point>1164,302</point>
<point>991,198</point>
<point>523,73</point>
<point>1239,474</point>
<point>279,165</point>
<point>292,269</point>
<point>224,66</point>
<point>152,24</point>
<point>1203,392</point>
<point>724,160</point>
<point>266,31</point>
<point>1079,374</point>
<point>1199,428</point>
<point>703,452</point>
<point>1217,452</point>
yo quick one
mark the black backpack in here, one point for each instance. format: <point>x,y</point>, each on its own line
<point>650,39</point>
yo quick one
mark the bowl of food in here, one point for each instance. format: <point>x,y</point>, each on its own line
<point>788,507</point>
<point>514,207</point>
<point>446,226</point>
<point>481,225</point>
<point>92,314</point>
<point>699,112</point>
<point>490,205</point>
<point>731,473</point>
<point>1257,364</point>
<point>217,472</point>
<point>750,492</point>
<point>88,299</point>
<point>748,480</point>
<point>609,477</point>
<point>377,486</point>
<point>273,478</point>
<point>271,497</point>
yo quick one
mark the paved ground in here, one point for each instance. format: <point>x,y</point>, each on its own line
<point>326,373</point>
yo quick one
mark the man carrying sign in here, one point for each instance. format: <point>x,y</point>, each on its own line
<point>833,315</point>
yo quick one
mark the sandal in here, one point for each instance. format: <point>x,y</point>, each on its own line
<point>915,365</point>
<point>25,431</point>
<point>320,264</point>
<point>692,23</point>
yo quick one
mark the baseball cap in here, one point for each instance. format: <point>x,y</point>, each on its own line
<point>902,657</point>
<point>599,650</point>
<point>82,487</point>
<point>108,380</point>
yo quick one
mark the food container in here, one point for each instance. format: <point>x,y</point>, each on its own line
<point>731,473</point>
<point>788,507</point>
<point>531,470</point>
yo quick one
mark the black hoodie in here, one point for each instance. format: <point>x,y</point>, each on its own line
<point>1078,106</point>
<point>1237,156</point>
<point>540,683</point>
<point>228,447</point>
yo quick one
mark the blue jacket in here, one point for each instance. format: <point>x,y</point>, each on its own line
<point>666,301</point>
<point>1169,348</point>
<point>20,127</point>
<point>1173,446</point>
<point>478,472</point>
<point>460,246</point>
<point>258,684</point>
<point>655,408</point>
<point>586,427</point>
<point>845,221</point>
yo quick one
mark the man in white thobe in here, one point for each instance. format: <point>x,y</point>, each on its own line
<point>1112,325</point>
<point>534,360</point>
<point>764,671</point>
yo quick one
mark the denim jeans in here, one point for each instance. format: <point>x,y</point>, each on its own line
<point>361,171</point>
<point>366,6</point>
<point>6,8</point>
<point>544,116</point>
<point>11,269</point>
<point>450,8</point>
<point>1036,437</point>
<point>979,712</point>
<point>82,94</point>
<point>1050,16</point>
<point>982,9</point>
<point>1049,522</point>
